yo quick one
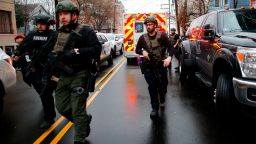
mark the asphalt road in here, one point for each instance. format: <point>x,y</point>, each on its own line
<point>120,108</point>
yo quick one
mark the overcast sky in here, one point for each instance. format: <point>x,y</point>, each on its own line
<point>139,6</point>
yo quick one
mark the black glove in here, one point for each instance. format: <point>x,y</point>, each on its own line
<point>16,53</point>
<point>68,56</point>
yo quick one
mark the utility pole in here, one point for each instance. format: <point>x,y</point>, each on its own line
<point>177,20</point>
<point>56,16</point>
<point>169,14</point>
<point>114,17</point>
<point>169,17</point>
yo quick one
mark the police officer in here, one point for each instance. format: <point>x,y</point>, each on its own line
<point>175,38</point>
<point>19,38</point>
<point>153,46</point>
<point>37,40</point>
<point>77,46</point>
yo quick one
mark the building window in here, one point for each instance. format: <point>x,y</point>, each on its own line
<point>5,22</point>
<point>217,3</point>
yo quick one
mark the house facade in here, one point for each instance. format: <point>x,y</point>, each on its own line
<point>33,10</point>
<point>7,24</point>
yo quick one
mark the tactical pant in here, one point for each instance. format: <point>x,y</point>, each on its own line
<point>71,103</point>
<point>36,79</point>
<point>176,53</point>
<point>157,85</point>
<point>46,97</point>
<point>48,101</point>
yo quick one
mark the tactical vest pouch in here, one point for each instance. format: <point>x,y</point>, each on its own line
<point>157,55</point>
<point>155,49</point>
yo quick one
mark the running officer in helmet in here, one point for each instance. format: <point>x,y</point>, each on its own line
<point>40,39</point>
<point>78,46</point>
<point>153,45</point>
<point>175,38</point>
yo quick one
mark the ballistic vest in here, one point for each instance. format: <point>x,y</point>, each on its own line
<point>172,37</point>
<point>154,46</point>
<point>62,39</point>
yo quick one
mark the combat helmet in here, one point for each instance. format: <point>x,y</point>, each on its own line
<point>45,19</point>
<point>66,5</point>
<point>173,29</point>
<point>150,19</point>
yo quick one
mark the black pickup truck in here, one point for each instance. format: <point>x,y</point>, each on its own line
<point>220,50</point>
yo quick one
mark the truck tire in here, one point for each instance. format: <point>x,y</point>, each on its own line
<point>113,52</point>
<point>110,60</point>
<point>225,98</point>
<point>129,61</point>
<point>185,72</point>
<point>121,50</point>
<point>182,70</point>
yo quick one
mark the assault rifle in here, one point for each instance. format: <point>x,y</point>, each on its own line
<point>57,65</point>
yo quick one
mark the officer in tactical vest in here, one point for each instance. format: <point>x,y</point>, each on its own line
<point>77,47</point>
<point>40,39</point>
<point>153,45</point>
<point>175,38</point>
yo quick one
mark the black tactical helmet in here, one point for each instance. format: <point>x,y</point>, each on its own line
<point>173,29</point>
<point>67,5</point>
<point>44,19</point>
<point>150,19</point>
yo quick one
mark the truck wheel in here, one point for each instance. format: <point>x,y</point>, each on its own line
<point>113,52</point>
<point>128,61</point>
<point>225,101</point>
<point>184,72</point>
<point>2,92</point>
<point>110,60</point>
<point>131,61</point>
<point>121,50</point>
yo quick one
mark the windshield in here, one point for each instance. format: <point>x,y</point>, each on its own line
<point>110,37</point>
<point>237,21</point>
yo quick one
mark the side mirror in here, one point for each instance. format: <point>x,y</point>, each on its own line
<point>102,42</point>
<point>116,39</point>
<point>209,34</point>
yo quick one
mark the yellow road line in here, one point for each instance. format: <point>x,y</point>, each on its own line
<point>99,81</point>
<point>48,131</point>
<point>69,124</point>
<point>64,130</point>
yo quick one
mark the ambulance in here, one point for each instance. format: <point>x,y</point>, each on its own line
<point>134,27</point>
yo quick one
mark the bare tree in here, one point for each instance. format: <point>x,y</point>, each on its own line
<point>190,9</point>
<point>95,12</point>
<point>183,17</point>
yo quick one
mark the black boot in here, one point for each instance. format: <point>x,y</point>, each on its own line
<point>154,114</point>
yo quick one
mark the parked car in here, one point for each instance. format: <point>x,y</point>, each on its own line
<point>114,45</point>
<point>119,38</point>
<point>220,50</point>
<point>7,76</point>
<point>106,54</point>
